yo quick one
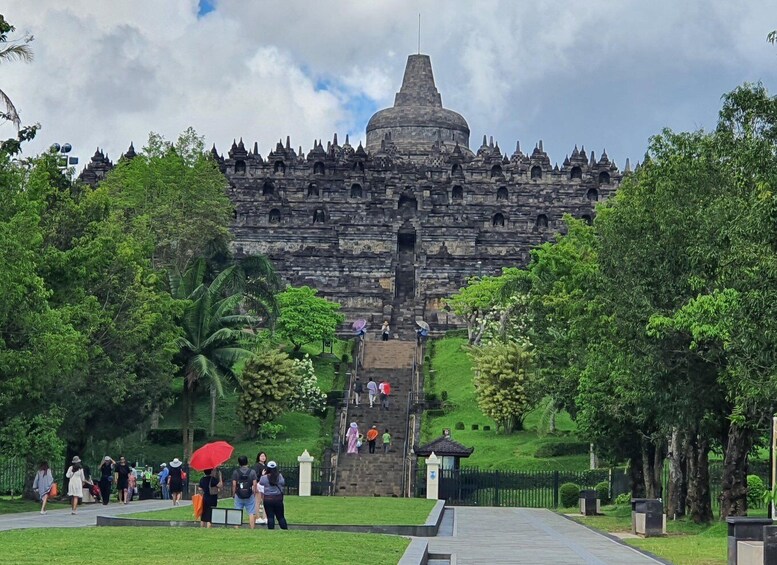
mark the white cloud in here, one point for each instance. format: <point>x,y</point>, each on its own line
<point>604,73</point>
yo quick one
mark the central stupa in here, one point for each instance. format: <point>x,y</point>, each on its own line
<point>417,120</point>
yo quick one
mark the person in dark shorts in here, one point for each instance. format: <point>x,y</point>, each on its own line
<point>123,471</point>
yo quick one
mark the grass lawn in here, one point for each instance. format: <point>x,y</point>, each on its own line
<point>152,546</point>
<point>330,510</point>
<point>453,373</point>
<point>16,505</point>
<point>686,543</point>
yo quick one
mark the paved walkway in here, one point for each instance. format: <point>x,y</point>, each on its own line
<point>528,535</point>
<point>87,515</point>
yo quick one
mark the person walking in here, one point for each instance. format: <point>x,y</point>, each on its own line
<point>75,488</point>
<point>372,389</point>
<point>175,481</point>
<point>42,484</point>
<point>386,441</point>
<point>385,330</point>
<point>372,436</point>
<point>352,436</point>
<point>244,488</point>
<point>385,390</point>
<point>273,483</point>
<point>107,469</point>
<point>209,487</point>
<point>163,474</point>
<point>260,468</point>
<point>123,471</point>
<point>358,389</point>
<point>132,485</point>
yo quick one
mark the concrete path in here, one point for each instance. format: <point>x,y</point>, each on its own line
<point>87,515</point>
<point>528,535</point>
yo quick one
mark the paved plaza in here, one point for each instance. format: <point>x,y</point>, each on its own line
<point>529,535</point>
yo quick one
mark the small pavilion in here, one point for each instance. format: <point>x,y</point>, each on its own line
<point>449,451</point>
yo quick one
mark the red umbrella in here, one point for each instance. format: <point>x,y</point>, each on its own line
<point>211,455</point>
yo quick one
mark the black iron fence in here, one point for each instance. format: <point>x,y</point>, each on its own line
<point>12,476</point>
<point>471,486</point>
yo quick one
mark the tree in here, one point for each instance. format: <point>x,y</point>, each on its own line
<point>505,383</point>
<point>17,49</point>
<point>214,341</point>
<point>473,303</point>
<point>305,317</point>
<point>175,195</point>
<point>308,396</point>
<point>270,382</point>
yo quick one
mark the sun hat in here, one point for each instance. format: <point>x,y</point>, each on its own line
<point>107,458</point>
<point>76,459</point>
<point>175,463</point>
<point>272,465</point>
<point>353,425</point>
<point>163,465</point>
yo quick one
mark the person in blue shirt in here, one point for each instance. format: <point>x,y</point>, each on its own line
<point>163,481</point>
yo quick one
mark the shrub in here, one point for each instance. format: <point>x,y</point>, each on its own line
<point>755,491</point>
<point>569,494</point>
<point>448,407</point>
<point>459,425</point>
<point>603,492</point>
<point>334,397</point>
<point>444,395</point>
<point>435,413</point>
<point>486,428</point>
<point>474,427</point>
<point>558,449</point>
<point>623,499</point>
<point>268,430</point>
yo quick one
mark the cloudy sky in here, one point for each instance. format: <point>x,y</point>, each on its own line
<point>603,73</point>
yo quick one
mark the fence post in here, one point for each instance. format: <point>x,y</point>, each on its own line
<point>555,489</point>
<point>496,488</point>
<point>305,473</point>
<point>433,477</point>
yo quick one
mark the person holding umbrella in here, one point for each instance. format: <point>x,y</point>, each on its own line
<point>209,487</point>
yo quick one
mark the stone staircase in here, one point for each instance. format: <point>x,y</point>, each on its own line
<point>379,474</point>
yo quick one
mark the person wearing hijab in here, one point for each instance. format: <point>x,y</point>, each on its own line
<point>352,436</point>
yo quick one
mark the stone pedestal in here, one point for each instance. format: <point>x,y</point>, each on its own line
<point>433,476</point>
<point>648,517</point>
<point>742,528</point>
<point>305,473</point>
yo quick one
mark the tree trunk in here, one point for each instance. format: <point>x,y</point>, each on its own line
<point>675,486</point>
<point>212,411</point>
<point>155,418</point>
<point>637,481</point>
<point>734,481</point>
<point>552,423</point>
<point>699,500</point>
<point>647,468</point>
<point>658,468</point>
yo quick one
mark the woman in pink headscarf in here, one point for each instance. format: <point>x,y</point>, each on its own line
<point>352,435</point>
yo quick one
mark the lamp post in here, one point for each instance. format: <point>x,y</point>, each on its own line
<point>63,159</point>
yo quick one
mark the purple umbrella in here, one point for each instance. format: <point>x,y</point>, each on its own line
<point>359,325</point>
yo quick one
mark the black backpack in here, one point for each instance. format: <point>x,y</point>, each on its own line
<point>245,485</point>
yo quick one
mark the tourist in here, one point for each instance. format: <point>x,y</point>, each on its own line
<point>372,389</point>
<point>372,436</point>
<point>209,487</point>
<point>358,389</point>
<point>175,481</point>
<point>42,484</point>
<point>360,443</point>
<point>273,483</point>
<point>163,474</point>
<point>260,468</point>
<point>385,330</point>
<point>132,485</point>
<point>385,390</point>
<point>244,488</point>
<point>386,441</point>
<point>123,471</point>
<point>107,469</point>
<point>352,437</point>
<point>75,488</point>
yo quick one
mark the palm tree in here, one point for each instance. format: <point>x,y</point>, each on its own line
<point>214,338</point>
<point>10,50</point>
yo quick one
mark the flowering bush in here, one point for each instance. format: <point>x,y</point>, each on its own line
<point>309,397</point>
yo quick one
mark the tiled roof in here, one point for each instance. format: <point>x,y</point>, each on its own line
<point>443,445</point>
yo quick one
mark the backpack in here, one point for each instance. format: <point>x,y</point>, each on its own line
<point>244,486</point>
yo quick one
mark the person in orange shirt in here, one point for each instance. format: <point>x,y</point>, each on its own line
<point>372,436</point>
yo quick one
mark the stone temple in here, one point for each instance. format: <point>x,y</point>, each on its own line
<point>391,229</point>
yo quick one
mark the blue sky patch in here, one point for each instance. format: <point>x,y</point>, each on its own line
<point>205,7</point>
